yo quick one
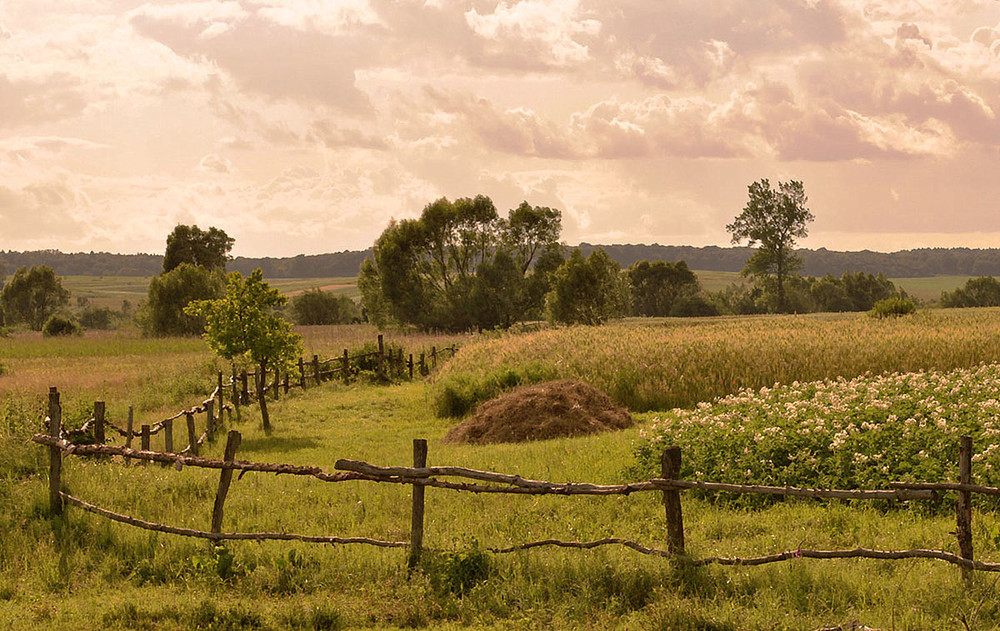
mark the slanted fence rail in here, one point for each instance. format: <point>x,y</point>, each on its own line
<point>462,479</point>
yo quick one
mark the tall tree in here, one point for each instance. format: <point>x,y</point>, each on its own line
<point>588,290</point>
<point>162,313</point>
<point>190,244</point>
<point>774,219</point>
<point>31,296</point>
<point>656,286</point>
<point>241,327</point>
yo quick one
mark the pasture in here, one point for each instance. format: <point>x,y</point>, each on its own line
<point>81,570</point>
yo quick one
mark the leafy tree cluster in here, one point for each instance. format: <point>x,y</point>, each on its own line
<point>976,292</point>
<point>316,306</point>
<point>460,266</point>
<point>32,296</point>
<point>589,290</point>
<point>660,287</point>
<point>204,248</point>
<point>856,291</point>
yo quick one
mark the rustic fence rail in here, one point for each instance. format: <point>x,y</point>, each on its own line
<point>420,476</point>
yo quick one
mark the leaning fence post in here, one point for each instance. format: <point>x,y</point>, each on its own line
<point>346,368</point>
<point>225,478</point>
<point>99,410</point>
<point>963,506</point>
<point>168,435</point>
<point>192,439</point>
<point>417,516</point>
<point>144,442</point>
<point>316,368</point>
<point>55,453</point>
<point>128,433</point>
<point>220,397</point>
<point>210,419</point>
<point>670,469</point>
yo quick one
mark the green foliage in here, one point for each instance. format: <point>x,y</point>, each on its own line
<point>460,394</point>
<point>101,318</point>
<point>218,562</point>
<point>190,244</point>
<point>773,218</point>
<point>458,572</point>
<point>976,292</point>
<point>655,287</point>
<point>169,294</point>
<point>316,306</point>
<point>58,325</point>
<point>460,266</point>
<point>892,307</point>
<point>587,291</point>
<point>31,296</point>
<point>695,306</point>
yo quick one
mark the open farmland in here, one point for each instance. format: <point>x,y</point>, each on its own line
<point>80,569</point>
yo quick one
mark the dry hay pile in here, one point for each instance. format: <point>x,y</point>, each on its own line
<point>553,409</point>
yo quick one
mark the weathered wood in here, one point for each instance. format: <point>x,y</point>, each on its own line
<point>220,397</point>
<point>144,440</point>
<point>99,410</point>
<point>670,469</point>
<point>210,425</point>
<point>192,440</point>
<point>423,365</point>
<point>237,399</point>
<point>302,373</point>
<point>380,361</point>
<point>55,454</point>
<point>215,536</point>
<point>417,513</point>
<point>244,388</point>
<point>225,478</point>
<point>316,375</point>
<point>963,505</point>
<point>346,368</point>
<point>434,357</point>
<point>410,366</point>
<point>128,432</point>
<point>168,436</point>
<point>284,383</point>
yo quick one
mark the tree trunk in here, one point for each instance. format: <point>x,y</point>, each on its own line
<point>262,397</point>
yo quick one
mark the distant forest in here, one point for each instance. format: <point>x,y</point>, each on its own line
<point>904,264</point>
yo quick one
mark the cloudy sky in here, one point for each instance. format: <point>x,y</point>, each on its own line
<point>303,126</point>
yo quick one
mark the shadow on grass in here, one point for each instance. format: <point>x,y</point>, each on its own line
<point>278,444</point>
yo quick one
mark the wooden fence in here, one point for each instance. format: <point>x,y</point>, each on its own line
<point>420,476</point>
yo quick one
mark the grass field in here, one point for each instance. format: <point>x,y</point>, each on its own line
<point>80,570</point>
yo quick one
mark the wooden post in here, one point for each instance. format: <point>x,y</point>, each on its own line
<point>346,368</point>
<point>225,478</point>
<point>245,389</point>
<point>399,360</point>
<point>417,516</point>
<point>410,365</point>
<point>192,438</point>
<point>99,423</point>
<point>284,382</point>
<point>55,454</point>
<point>434,357</point>
<point>380,370</point>
<point>670,469</point>
<point>302,374</point>
<point>423,365</point>
<point>220,397</point>
<point>316,368</point>
<point>963,506</point>
<point>210,419</point>
<point>144,442</point>
<point>128,433</point>
<point>168,436</point>
<point>236,392</point>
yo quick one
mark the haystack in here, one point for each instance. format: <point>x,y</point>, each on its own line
<point>553,409</point>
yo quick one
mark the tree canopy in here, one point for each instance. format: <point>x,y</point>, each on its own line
<point>773,219</point>
<point>657,286</point>
<point>31,296</point>
<point>242,327</point>
<point>190,244</point>
<point>163,311</point>
<point>460,266</point>
<point>588,290</point>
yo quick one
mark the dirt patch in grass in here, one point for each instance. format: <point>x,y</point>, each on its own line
<point>553,409</point>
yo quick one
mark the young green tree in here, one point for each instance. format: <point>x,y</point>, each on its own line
<point>588,290</point>
<point>190,244</point>
<point>774,219</point>
<point>32,295</point>
<point>242,328</point>
<point>169,293</point>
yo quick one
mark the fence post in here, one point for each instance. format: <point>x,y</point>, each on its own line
<point>55,453</point>
<point>192,439</point>
<point>434,357</point>
<point>236,393</point>
<point>346,368</point>
<point>670,469</point>
<point>99,410</point>
<point>381,358</point>
<point>128,433</point>
<point>423,364</point>
<point>168,435</point>
<point>220,397</point>
<point>144,442</point>
<point>302,373</point>
<point>284,382</point>
<point>963,506</point>
<point>316,368</point>
<point>225,478</point>
<point>410,365</point>
<point>244,388</point>
<point>417,516</point>
<point>210,419</point>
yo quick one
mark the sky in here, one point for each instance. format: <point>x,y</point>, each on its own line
<point>305,126</point>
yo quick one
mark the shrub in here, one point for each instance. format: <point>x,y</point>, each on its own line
<point>97,318</point>
<point>692,307</point>
<point>316,306</point>
<point>163,312</point>
<point>59,325</point>
<point>892,307</point>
